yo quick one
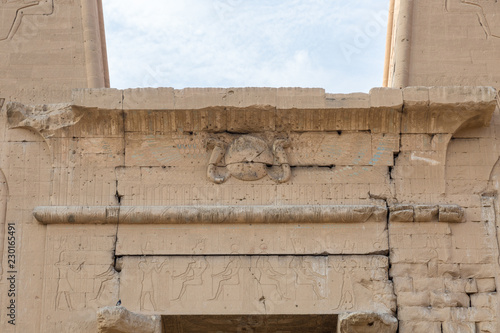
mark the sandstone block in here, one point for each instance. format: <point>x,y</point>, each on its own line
<point>419,327</point>
<point>294,98</point>
<point>409,270</point>
<point>448,270</point>
<point>455,285</point>
<point>429,284</point>
<point>348,101</point>
<point>484,300</point>
<point>119,320</point>
<point>461,327</point>
<point>148,99</point>
<point>367,322</point>
<point>477,271</point>
<point>416,97</point>
<point>403,284</point>
<point>413,299</point>
<point>487,327</point>
<point>486,285</point>
<point>102,98</point>
<point>471,314</point>
<point>457,94</point>
<point>386,97</point>
<point>445,299</point>
<point>428,314</point>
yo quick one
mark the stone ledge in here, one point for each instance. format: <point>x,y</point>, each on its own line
<point>413,110</point>
<point>208,214</point>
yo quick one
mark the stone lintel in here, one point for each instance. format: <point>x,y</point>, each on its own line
<point>117,319</point>
<point>209,214</point>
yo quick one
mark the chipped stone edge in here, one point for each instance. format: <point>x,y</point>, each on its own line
<point>345,320</point>
<point>115,319</point>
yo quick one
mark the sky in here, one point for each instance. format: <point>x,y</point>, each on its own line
<point>337,45</point>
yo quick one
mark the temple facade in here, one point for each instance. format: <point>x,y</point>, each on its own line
<point>250,209</point>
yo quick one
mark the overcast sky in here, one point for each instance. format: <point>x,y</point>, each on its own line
<point>338,45</point>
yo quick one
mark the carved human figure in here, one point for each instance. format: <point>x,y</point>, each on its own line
<point>12,12</point>
<point>306,275</point>
<point>105,278</point>
<point>346,268</point>
<point>147,285</point>
<point>230,275</point>
<point>64,288</point>
<point>266,274</point>
<point>304,270</point>
<point>193,275</point>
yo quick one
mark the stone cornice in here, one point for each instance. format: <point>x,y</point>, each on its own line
<point>429,110</point>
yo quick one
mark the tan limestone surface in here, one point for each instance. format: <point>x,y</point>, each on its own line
<point>112,203</point>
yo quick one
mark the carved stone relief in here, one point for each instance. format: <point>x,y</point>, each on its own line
<point>12,12</point>
<point>486,11</point>
<point>249,158</point>
<point>257,284</point>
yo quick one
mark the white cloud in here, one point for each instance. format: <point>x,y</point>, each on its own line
<point>219,43</point>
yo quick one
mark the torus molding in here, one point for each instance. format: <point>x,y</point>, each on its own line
<point>246,214</point>
<point>209,214</point>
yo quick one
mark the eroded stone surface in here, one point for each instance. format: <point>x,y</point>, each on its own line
<point>45,119</point>
<point>119,320</point>
<point>359,322</point>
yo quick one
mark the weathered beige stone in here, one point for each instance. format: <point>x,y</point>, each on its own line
<point>119,320</point>
<point>419,327</point>
<point>253,284</point>
<point>367,323</point>
<point>207,208</point>
<point>449,327</point>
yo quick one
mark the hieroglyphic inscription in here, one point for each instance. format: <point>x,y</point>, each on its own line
<point>80,274</point>
<point>256,284</point>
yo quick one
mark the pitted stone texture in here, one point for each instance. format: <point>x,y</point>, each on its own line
<point>119,320</point>
<point>45,119</point>
<point>359,322</point>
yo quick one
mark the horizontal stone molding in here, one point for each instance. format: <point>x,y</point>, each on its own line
<point>209,214</point>
<point>426,213</point>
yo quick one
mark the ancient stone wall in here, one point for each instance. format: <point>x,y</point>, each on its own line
<point>248,201</point>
